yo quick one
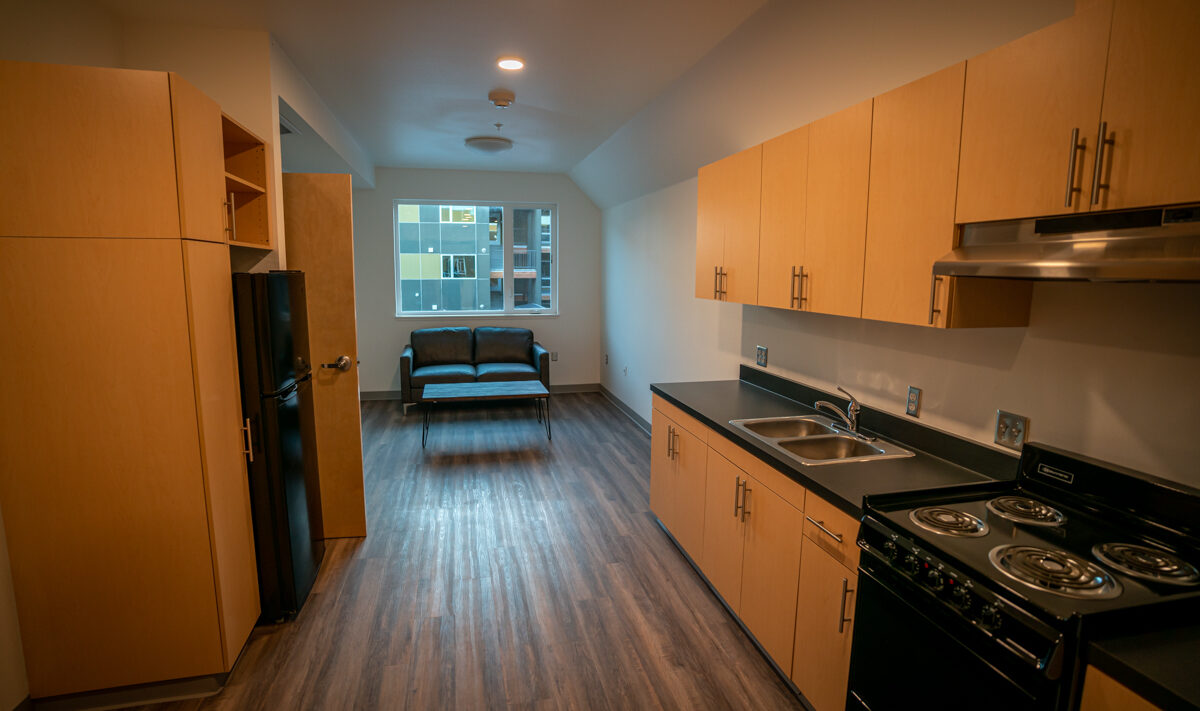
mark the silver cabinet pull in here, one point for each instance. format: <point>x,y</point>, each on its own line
<point>933,298</point>
<point>674,444</point>
<point>842,619</point>
<point>795,287</point>
<point>716,281</point>
<point>736,490</point>
<point>821,525</point>
<point>800,297</point>
<point>248,439</point>
<point>722,284</point>
<point>1099,168</point>
<point>745,497</point>
<point>670,442</point>
<point>232,219</point>
<point>1076,146</point>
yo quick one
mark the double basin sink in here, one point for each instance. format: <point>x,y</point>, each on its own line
<point>815,440</point>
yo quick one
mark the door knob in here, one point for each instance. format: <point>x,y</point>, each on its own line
<point>342,363</point>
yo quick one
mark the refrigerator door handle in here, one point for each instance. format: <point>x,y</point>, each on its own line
<point>249,439</point>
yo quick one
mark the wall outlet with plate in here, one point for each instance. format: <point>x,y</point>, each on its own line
<point>760,356</point>
<point>1011,430</point>
<point>913,405</point>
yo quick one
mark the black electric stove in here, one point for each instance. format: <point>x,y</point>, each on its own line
<point>989,593</point>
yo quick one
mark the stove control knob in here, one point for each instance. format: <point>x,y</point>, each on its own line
<point>890,551</point>
<point>935,580</point>
<point>990,616</point>
<point>911,564</point>
<point>961,597</point>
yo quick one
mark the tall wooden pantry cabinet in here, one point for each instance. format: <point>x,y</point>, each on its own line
<point>122,476</point>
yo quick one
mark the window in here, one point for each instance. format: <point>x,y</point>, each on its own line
<point>458,259</point>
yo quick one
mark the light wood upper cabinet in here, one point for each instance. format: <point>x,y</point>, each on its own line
<point>1151,100</point>
<point>199,168</point>
<point>727,221</point>
<point>824,628</point>
<point>724,530</point>
<point>835,226</point>
<point>770,570</point>
<point>781,234</point>
<point>87,152</point>
<point>1023,103</point>
<point>910,211</point>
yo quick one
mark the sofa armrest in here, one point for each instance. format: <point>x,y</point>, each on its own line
<point>541,357</point>
<point>406,367</point>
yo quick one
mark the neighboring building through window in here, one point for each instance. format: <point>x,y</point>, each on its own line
<point>458,259</point>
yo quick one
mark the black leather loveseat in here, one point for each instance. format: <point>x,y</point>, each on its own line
<point>458,355</point>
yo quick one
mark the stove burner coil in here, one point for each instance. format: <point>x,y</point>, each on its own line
<point>1054,571</point>
<point>1023,509</point>
<point>1147,563</point>
<point>948,522</point>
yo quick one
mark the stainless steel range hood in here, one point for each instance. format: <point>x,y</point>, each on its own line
<point>1161,244</point>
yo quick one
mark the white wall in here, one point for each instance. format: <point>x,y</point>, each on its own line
<point>1110,370</point>
<point>574,333</point>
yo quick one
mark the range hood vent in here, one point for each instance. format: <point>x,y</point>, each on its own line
<point>1162,244</point>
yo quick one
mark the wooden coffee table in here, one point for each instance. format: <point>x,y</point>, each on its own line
<point>503,390</point>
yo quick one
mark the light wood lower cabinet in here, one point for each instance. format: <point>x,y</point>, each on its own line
<point>770,570</point>
<point>824,628</point>
<point>678,470</point>
<point>1101,692</point>
<point>724,530</point>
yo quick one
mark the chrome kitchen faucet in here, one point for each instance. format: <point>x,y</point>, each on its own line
<point>850,416</point>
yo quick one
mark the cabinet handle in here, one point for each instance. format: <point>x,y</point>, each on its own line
<point>745,497</point>
<point>842,619</point>
<point>933,298</point>
<point>821,525</point>
<point>736,490</point>
<point>1076,146</point>
<point>249,440</point>
<point>800,297</point>
<point>716,281</point>
<point>674,444</point>
<point>722,284</point>
<point>1099,168</point>
<point>795,302</point>
<point>670,441</point>
<point>232,219</point>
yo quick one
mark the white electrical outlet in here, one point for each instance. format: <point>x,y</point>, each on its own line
<point>913,406</point>
<point>1011,430</point>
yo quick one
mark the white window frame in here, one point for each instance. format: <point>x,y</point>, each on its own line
<point>509,282</point>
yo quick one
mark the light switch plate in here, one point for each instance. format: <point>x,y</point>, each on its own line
<point>553,355</point>
<point>1011,430</point>
<point>760,356</point>
<point>913,406</point>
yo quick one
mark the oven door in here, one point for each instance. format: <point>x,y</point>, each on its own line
<point>905,658</point>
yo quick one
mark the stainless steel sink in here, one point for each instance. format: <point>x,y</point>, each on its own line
<point>815,440</point>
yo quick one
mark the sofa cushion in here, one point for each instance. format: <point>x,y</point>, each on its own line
<point>436,346</point>
<point>489,372</point>
<point>503,345</point>
<point>445,373</point>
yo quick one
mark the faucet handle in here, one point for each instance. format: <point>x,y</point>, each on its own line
<point>854,404</point>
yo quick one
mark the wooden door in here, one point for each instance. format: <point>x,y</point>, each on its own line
<point>910,209</point>
<point>215,373</point>
<point>199,162</point>
<point>835,225</point>
<point>824,604</point>
<point>319,233</point>
<point>1022,102</point>
<point>741,197</point>
<point>721,559</point>
<point>770,570</point>
<point>100,470</point>
<point>781,234</point>
<point>710,229</point>
<point>87,152</point>
<point>662,469</point>
<point>691,467</point>
<point>1151,100</point>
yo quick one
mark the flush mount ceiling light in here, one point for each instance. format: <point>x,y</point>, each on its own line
<point>489,144</point>
<point>511,64</point>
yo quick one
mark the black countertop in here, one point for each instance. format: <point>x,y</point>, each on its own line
<point>941,460</point>
<point>1163,666</point>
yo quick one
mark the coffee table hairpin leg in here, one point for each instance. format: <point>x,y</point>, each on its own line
<point>426,408</point>
<point>548,435</point>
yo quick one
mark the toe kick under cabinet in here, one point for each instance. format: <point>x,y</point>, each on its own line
<point>122,470</point>
<point>782,559</point>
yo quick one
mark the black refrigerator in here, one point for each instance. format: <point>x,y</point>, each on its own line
<point>285,498</point>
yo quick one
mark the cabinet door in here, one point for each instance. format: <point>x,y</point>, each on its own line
<point>199,163</point>
<point>1022,102</point>
<point>824,606</point>
<point>691,467</point>
<point>835,226</point>
<point>1101,692</point>
<point>87,152</point>
<point>218,396</point>
<point>710,229</point>
<point>910,211</point>
<point>742,197</point>
<point>1151,99</point>
<point>721,559</point>
<point>781,234</point>
<point>662,469</point>
<point>100,471</point>
<point>770,569</point>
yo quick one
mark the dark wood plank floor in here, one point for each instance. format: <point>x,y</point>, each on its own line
<point>503,571</point>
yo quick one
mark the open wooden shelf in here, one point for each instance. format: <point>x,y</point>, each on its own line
<point>251,245</point>
<point>246,168</point>
<point>234,184</point>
